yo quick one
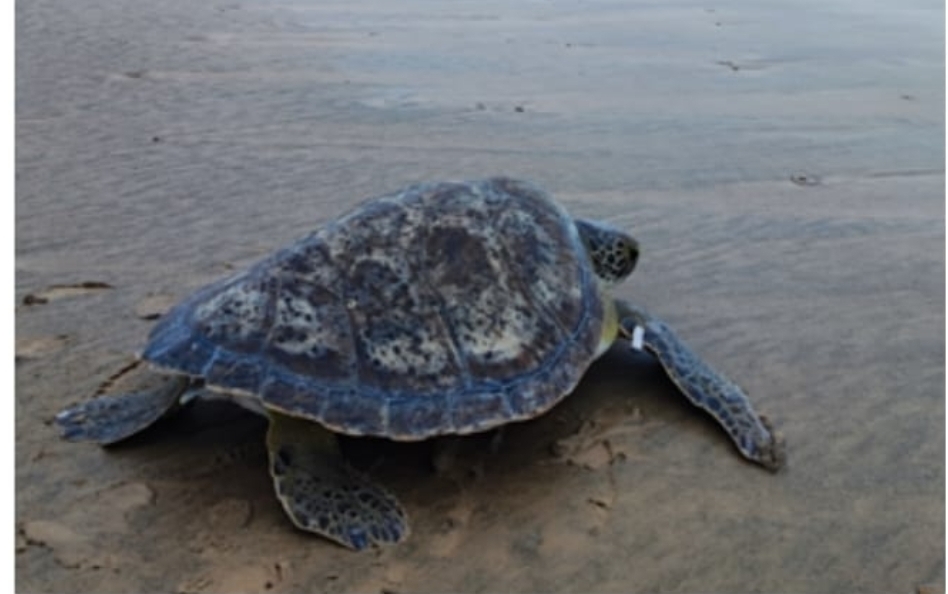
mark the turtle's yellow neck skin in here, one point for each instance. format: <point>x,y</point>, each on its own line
<point>610,321</point>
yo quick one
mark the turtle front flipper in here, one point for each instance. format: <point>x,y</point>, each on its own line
<point>706,388</point>
<point>323,494</point>
<point>109,419</point>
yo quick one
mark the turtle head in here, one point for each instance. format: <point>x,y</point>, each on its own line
<point>613,252</point>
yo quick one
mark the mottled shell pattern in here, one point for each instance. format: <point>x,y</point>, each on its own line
<point>444,308</point>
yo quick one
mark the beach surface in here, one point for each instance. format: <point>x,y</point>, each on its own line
<point>782,166</point>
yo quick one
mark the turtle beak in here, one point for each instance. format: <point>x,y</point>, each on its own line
<point>632,256</point>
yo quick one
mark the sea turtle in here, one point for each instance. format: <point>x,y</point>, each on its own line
<point>445,308</point>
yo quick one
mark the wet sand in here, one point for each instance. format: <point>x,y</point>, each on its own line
<point>782,169</point>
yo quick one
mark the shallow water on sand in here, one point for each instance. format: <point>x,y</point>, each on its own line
<point>782,168</point>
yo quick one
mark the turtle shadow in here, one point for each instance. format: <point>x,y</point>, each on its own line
<point>623,389</point>
<point>205,422</point>
<point>220,447</point>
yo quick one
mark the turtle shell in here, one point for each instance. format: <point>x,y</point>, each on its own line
<point>444,308</point>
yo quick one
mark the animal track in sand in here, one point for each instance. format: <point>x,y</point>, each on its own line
<point>154,305</point>
<point>34,347</point>
<point>54,292</point>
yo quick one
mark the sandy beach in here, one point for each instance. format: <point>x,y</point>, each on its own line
<point>781,166</point>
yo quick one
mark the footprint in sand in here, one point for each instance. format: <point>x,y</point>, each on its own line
<point>446,541</point>
<point>54,292</point>
<point>35,347</point>
<point>72,537</point>
<point>154,306</point>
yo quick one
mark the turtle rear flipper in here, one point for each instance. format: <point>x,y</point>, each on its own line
<point>707,389</point>
<point>109,419</point>
<point>321,493</point>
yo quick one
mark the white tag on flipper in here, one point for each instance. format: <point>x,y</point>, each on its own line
<point>638,335</point>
